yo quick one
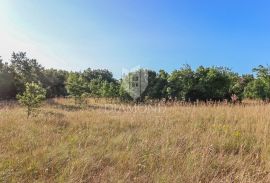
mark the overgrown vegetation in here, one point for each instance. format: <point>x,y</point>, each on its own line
<point>178,141</point>
<point>190,143</point>
<point>185,84</point>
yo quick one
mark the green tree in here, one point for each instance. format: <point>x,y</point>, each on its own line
<point>239,83</point>
<point>25,70</point>
<point>32,97</point>
<point>256,90</point>
<point>259,88</point>
<point>109,90</point>
<point>77,87</point>
<point>157,85</point>
<point>181,83</point>
<point>123,94</point>
<point>95,88</point>
<point>54,82</point>
<point>7,84</point>
<point>212,83</point>
<point>98,74</point>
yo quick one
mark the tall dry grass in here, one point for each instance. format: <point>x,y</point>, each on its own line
<point>112,143</point>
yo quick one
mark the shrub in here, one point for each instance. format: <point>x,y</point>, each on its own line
<point>32,97</point>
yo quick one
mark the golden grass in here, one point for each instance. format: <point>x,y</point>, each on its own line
<point>158,144</point>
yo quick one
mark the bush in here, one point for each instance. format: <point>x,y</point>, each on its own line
<point>32,97</point>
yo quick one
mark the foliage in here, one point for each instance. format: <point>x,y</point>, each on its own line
<point>77,87</point>
<point>109,90</point>
<point>54,82</point>
<point>187,84</point>
<point>203,84</point>
<point>181,83</point>
<point>7,83</point>
<point>157,85</point>
<point>259,88</point>
<point>25,70</point>
<point>32,97</point>
<point>99,74</point>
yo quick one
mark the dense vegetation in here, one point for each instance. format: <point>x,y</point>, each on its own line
<point>204,83</point>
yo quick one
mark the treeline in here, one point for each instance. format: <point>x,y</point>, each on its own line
<point>186,84</point>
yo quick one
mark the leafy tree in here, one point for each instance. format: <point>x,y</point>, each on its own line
<point>238,85</point>
<point>260,87</point>
<point>25,70</point>
<point>105,89</point>
<point>98,74</point>
<point>54,82</point>
<point>162,83</point>
<point>212,83</point>
<point>32,97</point>
<point>123,94</point>
<point>7,85</point>
<point>114,89</point>
<point>150,92</point>
<point>262,72</point>
<point>204,83</point>
<point>109,90</point>
<point>257,90</point>
<point>181,82</point>
<point>77,87</point>
<point>100,83</point>
<point>94,87</point>
<point>157,85</point>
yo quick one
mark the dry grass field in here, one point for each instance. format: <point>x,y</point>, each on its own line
<point>63,143</point>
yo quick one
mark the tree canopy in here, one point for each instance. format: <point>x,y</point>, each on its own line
<point>185,83</point>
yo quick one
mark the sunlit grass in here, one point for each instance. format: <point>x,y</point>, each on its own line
<point>65,143</point>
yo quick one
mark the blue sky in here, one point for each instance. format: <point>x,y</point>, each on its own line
<point>116,34</point>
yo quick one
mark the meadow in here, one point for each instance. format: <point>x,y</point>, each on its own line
<point>124,143</point>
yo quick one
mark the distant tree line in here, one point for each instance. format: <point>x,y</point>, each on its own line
<point>185,84</point>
